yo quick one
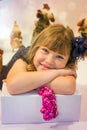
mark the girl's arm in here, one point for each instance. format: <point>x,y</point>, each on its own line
<point>63,85</point>
<point>19,80</point>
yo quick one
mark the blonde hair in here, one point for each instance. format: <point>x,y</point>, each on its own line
<point>55,37</point>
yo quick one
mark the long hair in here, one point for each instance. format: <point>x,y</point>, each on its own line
<point>55,37</point>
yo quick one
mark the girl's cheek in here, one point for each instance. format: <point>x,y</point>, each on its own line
<point>60,65</point>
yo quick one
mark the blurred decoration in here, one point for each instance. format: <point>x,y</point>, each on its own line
<point>16,37</point>
<point>82,24</point>
<point>81,41</point>
<point>45,18</point>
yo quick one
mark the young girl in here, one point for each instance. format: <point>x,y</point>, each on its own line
<point>49,63</point>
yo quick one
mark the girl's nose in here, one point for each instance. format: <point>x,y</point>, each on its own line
<point>50,59</point>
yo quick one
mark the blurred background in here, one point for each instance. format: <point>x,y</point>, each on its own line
<point>24,13</point>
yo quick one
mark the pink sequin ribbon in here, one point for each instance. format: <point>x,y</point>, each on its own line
<point>49,106</point>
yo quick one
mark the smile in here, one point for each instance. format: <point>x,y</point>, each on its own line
<point>45,66</point>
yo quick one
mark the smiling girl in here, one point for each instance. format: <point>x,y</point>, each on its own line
<point>49,62</point>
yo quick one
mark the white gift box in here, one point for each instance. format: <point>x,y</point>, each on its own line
<point>25,108</point>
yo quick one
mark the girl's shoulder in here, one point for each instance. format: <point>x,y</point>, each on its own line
<point>19,66</point>
<point>20,63</point>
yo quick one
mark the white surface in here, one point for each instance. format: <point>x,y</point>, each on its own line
<point>81,125</point>
<point>47,126</point>
<point>82,72</point>
<point>25,108</point>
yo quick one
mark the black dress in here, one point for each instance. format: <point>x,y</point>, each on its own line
<point>21,53</point>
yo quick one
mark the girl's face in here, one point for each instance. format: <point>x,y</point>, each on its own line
<point>45,59</point>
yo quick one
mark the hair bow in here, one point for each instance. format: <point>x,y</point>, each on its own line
<point>79,47</point>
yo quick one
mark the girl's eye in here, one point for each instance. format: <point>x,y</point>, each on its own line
<point>59,57</point>
<point>45,50</point>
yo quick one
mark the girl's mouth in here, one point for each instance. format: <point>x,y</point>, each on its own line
<point>45,67</point>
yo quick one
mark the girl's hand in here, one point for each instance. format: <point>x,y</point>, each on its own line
<point>67,72</point>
